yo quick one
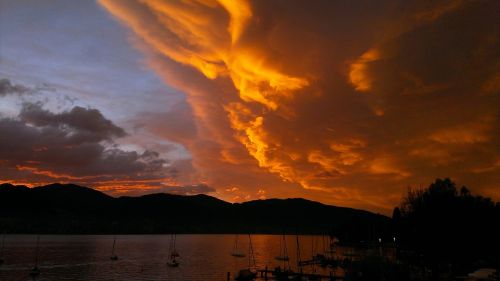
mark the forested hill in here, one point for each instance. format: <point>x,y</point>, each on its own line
<point>73,209</point>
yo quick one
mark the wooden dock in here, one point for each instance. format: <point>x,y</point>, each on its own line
<point>265,274</point>
<point>278,274</point>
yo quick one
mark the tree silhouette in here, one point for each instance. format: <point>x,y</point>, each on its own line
<point>441,225</point>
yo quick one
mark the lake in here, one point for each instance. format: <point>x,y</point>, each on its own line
<point>144,257</point>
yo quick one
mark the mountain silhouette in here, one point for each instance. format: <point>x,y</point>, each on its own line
<point>72,209</point>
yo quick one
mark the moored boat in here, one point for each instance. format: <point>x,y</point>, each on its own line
<point>172,262</point>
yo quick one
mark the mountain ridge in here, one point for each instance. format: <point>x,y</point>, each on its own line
<point>73,209</point>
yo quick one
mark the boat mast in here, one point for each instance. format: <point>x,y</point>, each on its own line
<point>37,250</point>
<point>172,248</point>
<point>251,257</point>
<point>2,249</point>
<point>312,252</point>
<point>172,262</point>
<point>299,266</point>
<point>173,243</point>
<point>36,271</point>
<point>285,254</point>
<point>113,249</point>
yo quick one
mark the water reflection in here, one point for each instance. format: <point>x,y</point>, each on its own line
<point>144,257</point>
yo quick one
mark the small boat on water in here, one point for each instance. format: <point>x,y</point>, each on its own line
<point>250,273</point>
<point>35,271</point>
<point>282,258</point>
<point>283,251</point>
<point>332,245</point>
<point>285,275</point>
<point>245,275</point>
<point>172,262</point>
<point>2,261</point>
<point>113,256</point>
<point>237,253</point>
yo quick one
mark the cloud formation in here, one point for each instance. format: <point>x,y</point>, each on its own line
<point>337,101</point>
<point>7,88</point>
<point>170,189</point>
<point>84,124</point>
<point>78,145</point>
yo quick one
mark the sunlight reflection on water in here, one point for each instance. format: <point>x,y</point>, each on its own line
<point>144,257</point>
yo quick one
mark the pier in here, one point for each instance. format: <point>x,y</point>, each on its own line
<point>266,274</point>
<point>279,274</point>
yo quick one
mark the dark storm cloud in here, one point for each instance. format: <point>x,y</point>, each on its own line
<point>86,124</point>
<point>75,145</point>
<point>66,150</point>
<point>7,88</point>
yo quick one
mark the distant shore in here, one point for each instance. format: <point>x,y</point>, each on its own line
<point>72,209</point>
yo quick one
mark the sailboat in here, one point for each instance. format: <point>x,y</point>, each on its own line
<point>299,258</point>
<point>172,262</point>
<point>236,252</point>
<point>283,251</point>
<point>332,245</point>
<point>35,271</point>
<point>113,256</point>
<point>2,250</point>
<point>250,273</point>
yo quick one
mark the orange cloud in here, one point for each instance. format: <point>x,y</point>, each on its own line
<point>273,93</point>
<point>386,166</point>
<point>211,51</point>
<point>470,133</point>
<point>358,74</point>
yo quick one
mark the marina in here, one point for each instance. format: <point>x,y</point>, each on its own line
<point>150,257</point>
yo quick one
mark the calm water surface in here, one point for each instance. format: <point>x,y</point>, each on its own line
<point>144,257</point>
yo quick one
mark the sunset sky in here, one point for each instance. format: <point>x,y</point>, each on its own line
<point>344,102</point>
